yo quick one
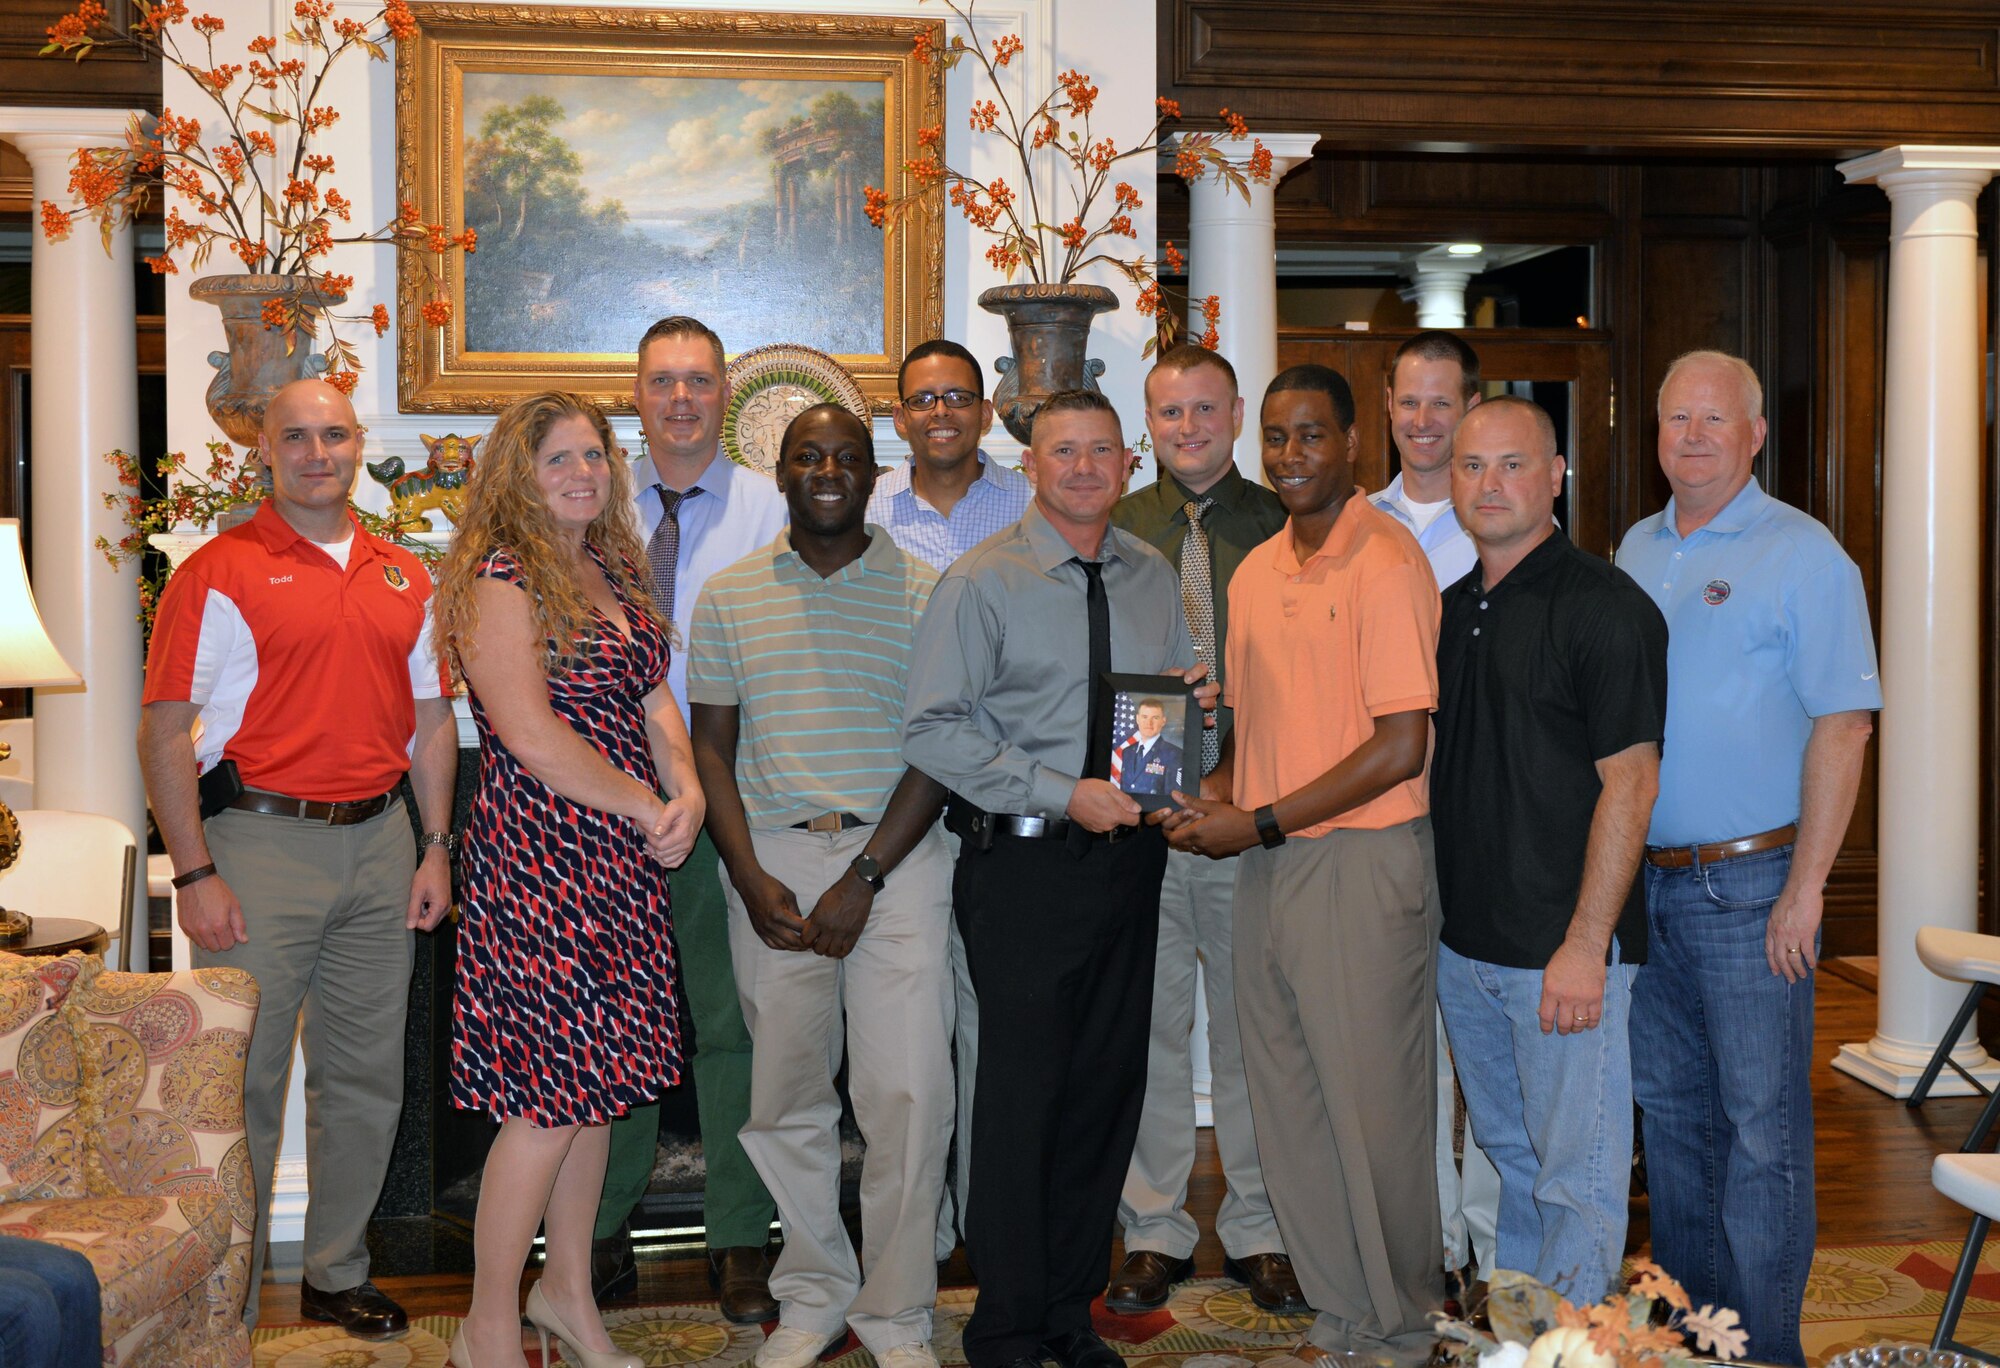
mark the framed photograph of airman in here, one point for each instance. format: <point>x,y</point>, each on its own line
<point>1155,740</point>
<point>622,165</point>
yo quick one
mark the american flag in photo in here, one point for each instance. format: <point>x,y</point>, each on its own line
<point>1124,730</point>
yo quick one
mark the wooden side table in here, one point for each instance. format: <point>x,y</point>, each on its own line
<point>60,935</point>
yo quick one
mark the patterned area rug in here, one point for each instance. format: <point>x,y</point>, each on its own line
<point>1858,1295</point>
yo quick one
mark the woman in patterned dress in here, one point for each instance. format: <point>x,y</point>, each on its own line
<point>564,1009</point>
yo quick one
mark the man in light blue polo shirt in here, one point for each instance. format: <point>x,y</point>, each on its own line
<point>1771,687</point>
<point>1433,383</point>
<point>700,512</point>
<point>946,499</point>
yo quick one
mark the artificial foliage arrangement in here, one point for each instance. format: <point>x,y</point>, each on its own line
<point>1647,1325</point>
<point>1050,229</point>
<point>249,178</point>
<point>197,496</point>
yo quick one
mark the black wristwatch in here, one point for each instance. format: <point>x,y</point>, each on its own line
<point>867,870</point>
<point>1268,830</point>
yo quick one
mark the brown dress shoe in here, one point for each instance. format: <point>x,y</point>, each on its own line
<point>1145,1280</point>
<point>1273,1285</point>
<point>741,1277</point>
<point>362,1312</point>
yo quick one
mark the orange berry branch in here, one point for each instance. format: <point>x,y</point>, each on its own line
<point>276,213</point>
<point>1031,233</point>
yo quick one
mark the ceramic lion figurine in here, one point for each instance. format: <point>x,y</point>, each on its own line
<point>438,487</point>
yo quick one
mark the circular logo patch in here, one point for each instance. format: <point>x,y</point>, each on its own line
<point>1714,592</point>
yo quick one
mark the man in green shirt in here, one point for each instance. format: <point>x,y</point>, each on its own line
<point>1203,516</point>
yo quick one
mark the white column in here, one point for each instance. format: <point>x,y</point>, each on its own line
<point>1233,253</point>
<point>1929,776</point>
<point>1437,288</point>
<point>84,354</point>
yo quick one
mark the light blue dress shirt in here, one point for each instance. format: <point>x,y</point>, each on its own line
<point>1446,544</point>
<point>995,500</point>
<point>737,512</point>
<point>1767,629</point>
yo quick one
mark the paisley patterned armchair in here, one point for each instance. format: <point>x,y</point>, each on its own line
<point>121,1137</point>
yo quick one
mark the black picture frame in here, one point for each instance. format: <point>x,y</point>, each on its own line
<point>1148,774</point>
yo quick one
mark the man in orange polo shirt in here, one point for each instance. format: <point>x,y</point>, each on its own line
<point>1332,672</point>
<point>302,647</point>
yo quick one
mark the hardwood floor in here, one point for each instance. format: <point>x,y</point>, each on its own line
<point>1874,1158</point>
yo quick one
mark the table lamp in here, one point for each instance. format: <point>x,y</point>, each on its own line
<point>28,660</point>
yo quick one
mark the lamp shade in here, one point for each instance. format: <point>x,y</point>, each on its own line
<point>28,659</point>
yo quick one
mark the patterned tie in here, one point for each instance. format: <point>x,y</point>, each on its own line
<point>1198,604</point>
<point>663,553</point>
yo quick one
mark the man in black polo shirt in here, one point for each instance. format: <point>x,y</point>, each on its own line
<point>1552,679</point>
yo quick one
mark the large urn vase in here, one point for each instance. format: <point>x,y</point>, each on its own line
<point>1048,330</point>
<point>259,359</point>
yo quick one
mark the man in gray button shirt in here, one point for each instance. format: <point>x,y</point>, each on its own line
<point>1057,888</point>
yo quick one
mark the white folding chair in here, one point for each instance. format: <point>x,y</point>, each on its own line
<point>75,864</point>
<point>1970,958</point>
<point>1973,1181</point>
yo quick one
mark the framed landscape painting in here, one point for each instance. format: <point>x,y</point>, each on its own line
<point>623,165</point>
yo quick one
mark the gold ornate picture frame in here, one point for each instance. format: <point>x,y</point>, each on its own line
<point>623,165</point>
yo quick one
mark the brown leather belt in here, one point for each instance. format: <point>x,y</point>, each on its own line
<point>306,810</point>
<point>1680,857</point>
<point>829,822</point>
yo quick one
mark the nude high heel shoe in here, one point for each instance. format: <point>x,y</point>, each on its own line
<point>461,1349</point>
<point>543,1317</point>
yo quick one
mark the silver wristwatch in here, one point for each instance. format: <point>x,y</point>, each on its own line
<point>438,838</point>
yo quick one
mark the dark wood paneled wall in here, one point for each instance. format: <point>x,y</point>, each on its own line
<point>1836,78</point>
<point>111,76</point>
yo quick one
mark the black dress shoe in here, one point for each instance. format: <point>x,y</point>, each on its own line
<point>614,1269</point>
<point>741,1277</point>
<point>362,1312</point>
<point>1272,1283</point>
<point>1081,1349</point>
<point>1145,1280</point>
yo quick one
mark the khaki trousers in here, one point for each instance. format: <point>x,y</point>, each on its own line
<point>1196,925</point>
<point>965,1062</point>
<point>1336,973</point>
<point>895,991</point>
<point>324,908</point>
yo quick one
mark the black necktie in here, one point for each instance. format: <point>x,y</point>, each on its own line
<point>1097,745</point>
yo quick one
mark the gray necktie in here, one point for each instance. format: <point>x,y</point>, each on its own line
<point>663,551</point>
<point>1198,604</point>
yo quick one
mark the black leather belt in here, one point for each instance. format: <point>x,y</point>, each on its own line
<point>985,825</point>
<point>830,821</point>
<point>307,810</point>
<point>1680,857</point>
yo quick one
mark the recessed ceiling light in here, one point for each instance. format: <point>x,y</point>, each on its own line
<point>1465,248</point>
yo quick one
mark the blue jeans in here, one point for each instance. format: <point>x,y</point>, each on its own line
<point>1722,1078</point>
<point>48,1307</point>
<point>1554,1114</point>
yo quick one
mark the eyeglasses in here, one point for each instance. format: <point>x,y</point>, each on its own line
<point>923,401</point>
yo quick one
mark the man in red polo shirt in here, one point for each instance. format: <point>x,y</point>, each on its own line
<point>297,648</point>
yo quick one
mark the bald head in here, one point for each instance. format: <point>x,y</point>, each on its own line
<point>306,399</point>
<point>1527,424</point>
<point>312,442</point>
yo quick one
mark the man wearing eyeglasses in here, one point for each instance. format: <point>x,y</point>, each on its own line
<point>945,500</point>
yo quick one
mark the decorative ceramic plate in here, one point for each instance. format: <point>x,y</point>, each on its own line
<point>771,386</point>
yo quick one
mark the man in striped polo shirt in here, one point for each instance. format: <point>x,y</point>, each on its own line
<point>839,894</point>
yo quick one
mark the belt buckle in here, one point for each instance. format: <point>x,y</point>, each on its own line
<point>1119,833</point>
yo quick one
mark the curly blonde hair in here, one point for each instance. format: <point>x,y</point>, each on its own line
<point>505,510</point>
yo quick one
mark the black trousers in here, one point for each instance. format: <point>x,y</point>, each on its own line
<point>1061,952</point>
